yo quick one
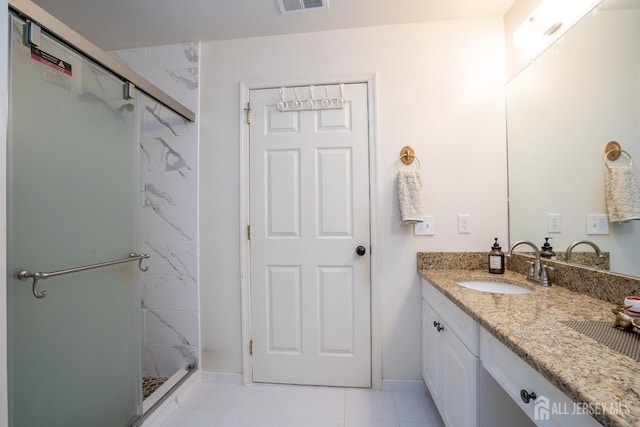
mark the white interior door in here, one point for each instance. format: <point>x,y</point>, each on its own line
<point>309,211</point>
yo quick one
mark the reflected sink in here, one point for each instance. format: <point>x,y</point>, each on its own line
<point>494,287</point>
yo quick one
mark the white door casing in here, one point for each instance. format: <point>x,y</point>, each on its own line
<point>309,210</point>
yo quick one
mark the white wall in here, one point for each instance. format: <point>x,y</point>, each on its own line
<point>440,89</point>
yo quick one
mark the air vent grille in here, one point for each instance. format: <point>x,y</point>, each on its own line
<point>295,6</point>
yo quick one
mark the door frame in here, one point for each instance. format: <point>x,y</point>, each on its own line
<point>245,253</point>
<point>4,117</point>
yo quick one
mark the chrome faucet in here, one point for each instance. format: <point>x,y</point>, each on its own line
<point>567,254</point>
<point>537,272</point>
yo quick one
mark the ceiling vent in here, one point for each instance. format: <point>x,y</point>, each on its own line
<point>294,6</point>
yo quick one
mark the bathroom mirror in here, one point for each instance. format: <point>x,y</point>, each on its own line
<point>562,109</point>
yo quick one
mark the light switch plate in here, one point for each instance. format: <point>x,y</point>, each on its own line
<point>425,228</point>
<point>597,224</point>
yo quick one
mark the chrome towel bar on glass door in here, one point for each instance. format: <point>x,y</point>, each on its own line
<point>26,274</point>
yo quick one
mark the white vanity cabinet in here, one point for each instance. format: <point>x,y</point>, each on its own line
<point>450,347</point>
<point>464,392</point>
<point>550,407</point>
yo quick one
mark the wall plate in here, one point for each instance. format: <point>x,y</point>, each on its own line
<point>425,228</point>
<point>554,223</point>
<point>464,224</point>
<point>597,224</point>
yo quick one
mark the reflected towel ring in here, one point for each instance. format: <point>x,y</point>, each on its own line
<point>606,155</point>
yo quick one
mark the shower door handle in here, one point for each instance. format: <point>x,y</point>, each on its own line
<point>37,276</point>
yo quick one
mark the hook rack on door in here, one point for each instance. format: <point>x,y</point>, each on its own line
<point>312,102</point>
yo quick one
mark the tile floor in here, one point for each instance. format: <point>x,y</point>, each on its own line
<point>267,405</point>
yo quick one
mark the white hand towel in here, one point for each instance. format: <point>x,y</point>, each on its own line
<point>622,194</point>
<point>410,197</point>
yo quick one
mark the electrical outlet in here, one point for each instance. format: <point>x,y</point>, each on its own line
<point>554,223</point>
<point>464,223</point>
<point>597,224</point>
<point>425,228</point>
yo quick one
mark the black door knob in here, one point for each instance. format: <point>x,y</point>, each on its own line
<point>361,250</point>
<point>526,396</point>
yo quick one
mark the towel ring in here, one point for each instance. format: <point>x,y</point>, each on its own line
<point>407,156</point>
<point>612,149</point>
<point>608,153</point>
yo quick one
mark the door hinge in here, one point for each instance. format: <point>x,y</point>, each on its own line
<point>248,110</point>
<point>248,232</point>
<point>251,347</point>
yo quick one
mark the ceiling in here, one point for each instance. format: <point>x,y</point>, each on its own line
<point>123,24</point>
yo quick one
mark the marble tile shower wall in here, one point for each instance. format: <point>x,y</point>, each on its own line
<point>168,156</point>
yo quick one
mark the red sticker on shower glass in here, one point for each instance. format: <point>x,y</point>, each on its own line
<point>50,60</point>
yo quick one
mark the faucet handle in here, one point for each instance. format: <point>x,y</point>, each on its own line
<point>544,275</point>
<point>531,269</point>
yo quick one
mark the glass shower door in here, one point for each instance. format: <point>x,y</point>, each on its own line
<point>74,355</point>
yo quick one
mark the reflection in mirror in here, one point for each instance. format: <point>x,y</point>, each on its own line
<point>562,110</point>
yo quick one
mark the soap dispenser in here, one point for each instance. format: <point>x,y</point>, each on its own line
<point>546,250</point>
<point>496,259</point>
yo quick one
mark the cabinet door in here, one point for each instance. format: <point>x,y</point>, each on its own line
<point>430,346</point>
<point>457,382</point>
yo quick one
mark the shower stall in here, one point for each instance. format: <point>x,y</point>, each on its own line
<point>75,254</point>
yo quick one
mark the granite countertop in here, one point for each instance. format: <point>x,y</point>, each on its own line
<point>585,370</point>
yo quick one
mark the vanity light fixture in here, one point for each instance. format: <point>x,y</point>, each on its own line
<point>548,22</point>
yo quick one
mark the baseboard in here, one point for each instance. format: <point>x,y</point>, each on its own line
<point>404,385</point>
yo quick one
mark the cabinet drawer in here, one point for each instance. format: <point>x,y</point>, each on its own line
<point>459,322</point>
<point>550,408</point>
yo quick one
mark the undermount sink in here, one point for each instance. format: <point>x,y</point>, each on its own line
<point>494,287</point>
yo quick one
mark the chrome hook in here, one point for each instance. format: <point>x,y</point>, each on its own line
<point>26,274</point>
<point>143,257</point>
<point>34,287</point>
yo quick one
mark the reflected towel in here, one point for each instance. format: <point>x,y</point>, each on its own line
<point>621,194</point>
<point>410,197</point>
